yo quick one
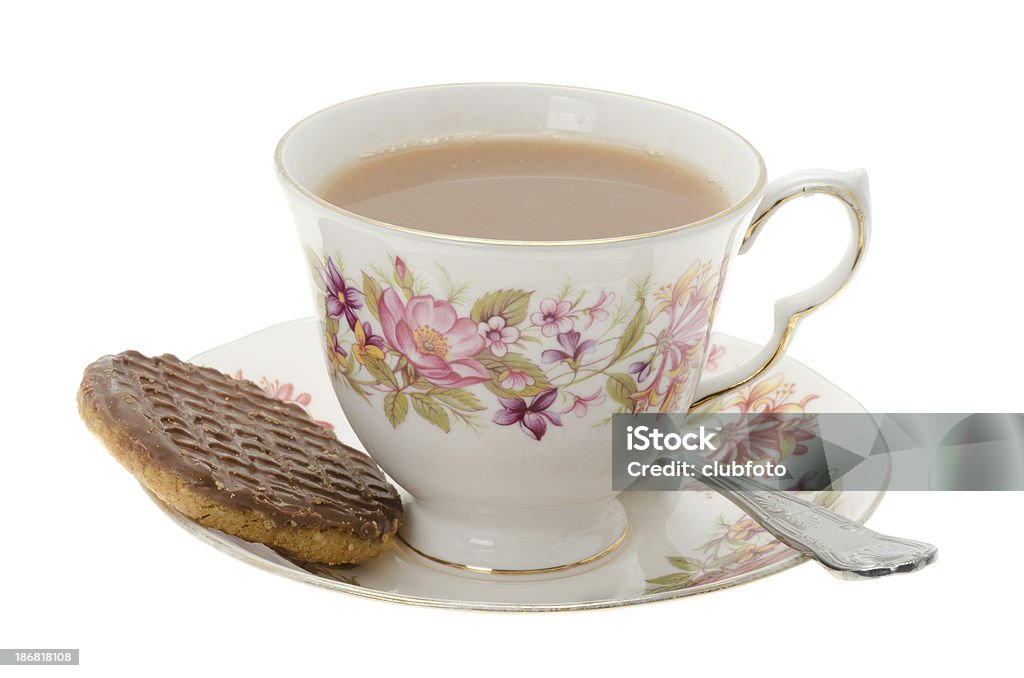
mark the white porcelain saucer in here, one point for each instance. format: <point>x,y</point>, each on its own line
<point>680,543</point>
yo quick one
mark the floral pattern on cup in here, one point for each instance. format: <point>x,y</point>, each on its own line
<point>516,357</point>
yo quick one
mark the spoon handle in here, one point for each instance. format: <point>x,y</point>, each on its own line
<point>847,549</point>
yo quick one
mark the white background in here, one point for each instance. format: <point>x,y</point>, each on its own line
<point>139,210</point>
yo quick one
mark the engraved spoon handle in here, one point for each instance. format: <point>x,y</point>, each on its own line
<point>846,548</point>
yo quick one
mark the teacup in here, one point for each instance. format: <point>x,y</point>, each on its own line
<point>507,454</point>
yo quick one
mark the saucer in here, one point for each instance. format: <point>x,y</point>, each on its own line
<point>679,543</point>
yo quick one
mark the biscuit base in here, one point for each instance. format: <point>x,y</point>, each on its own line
<point>331,546</point>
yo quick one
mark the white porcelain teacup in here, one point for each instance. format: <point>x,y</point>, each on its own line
<point>479,373</point>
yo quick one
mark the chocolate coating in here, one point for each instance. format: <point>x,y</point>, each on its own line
<point>238,446</point>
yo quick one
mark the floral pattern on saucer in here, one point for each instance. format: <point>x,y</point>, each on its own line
<point>739,545</point>
<point>681,544</point>
<point>286,391</point>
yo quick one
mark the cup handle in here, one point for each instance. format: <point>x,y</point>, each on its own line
<point>850,188</point>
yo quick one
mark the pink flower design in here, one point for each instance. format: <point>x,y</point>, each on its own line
<point>716,352</point>
<point>581,404</point>
<point>403,277</point>
<point>515,380</point>
<point>438,343</point>
<point>768,435</point>
<point>553,317</point>
<point>687,306</point>
<point>598,311</point>
<point>400,269</point>
<point>533,418</point>
<point>688,331</point>
<point>498,335</point>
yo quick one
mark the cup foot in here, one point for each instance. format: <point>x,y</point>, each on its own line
<point>514,540</point>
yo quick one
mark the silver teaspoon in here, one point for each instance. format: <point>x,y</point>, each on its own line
<point>846,549</point>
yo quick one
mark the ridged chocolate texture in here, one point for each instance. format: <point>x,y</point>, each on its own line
<point>240,447</point>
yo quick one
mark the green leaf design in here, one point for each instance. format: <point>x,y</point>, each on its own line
<point>428,408</point>
<point>685,564</point>
<point>371,293</point>
<point>620,386</point>
<point>396,406</point>
<point>355,385</point>
<point>458,399</point>
<point>676,580</point>
<point>316,265</point>
<point>513,361</point>
<point>454,292</point>
<point>631,335</point>
<point>509,304</point>
<point>380,371</point>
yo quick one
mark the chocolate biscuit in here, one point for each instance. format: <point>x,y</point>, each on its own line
<point>229,456</point>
